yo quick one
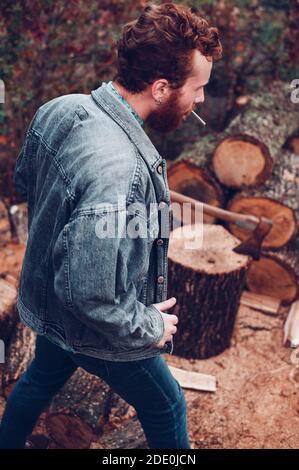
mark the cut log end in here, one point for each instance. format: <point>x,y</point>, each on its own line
<point>241,161</point>
<point>283,219</point>
<point>190,180</point>
<point>293,144</point>
<point>273,276</point>
<point>206,248</point>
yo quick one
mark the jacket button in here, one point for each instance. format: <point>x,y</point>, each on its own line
<point>160,241</point>
<point>160,279</point>
<point>159,169</point>
<point>162,204</point>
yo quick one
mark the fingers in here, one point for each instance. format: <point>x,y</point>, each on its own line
<point>166,304</point>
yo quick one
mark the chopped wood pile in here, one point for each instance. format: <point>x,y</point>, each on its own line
<point>253,168</point>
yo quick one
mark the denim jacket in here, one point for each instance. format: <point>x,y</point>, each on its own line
<point>87,293</point>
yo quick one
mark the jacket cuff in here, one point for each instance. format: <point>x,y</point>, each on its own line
<point>157,321</point>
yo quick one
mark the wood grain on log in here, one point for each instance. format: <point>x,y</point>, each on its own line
<point>268,121</point>
<point>284,221</point>
<point>207,280</point>
<point>277,199</point>
<point>68,431</point>
<point>189,179</point>
<point>128,436</point>
<point>276,273</point>
<point>81,403</point>
<point>242,161</point>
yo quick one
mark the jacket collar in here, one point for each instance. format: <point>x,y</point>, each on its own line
<point>124,118</point>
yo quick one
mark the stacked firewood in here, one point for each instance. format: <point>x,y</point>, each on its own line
<point>253,168</point>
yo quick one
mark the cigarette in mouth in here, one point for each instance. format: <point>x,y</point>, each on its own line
<point>199,118</point>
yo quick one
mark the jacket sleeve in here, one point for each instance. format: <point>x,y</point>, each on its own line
<point>21,171</point>
<point>20,177</point>
<point>96,278</point>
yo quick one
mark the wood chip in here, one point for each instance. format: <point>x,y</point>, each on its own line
<point>291,327</point>
<point>194,380</point>
<point>261,302</point>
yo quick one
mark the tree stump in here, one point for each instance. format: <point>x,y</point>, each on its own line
<point>207,282</point>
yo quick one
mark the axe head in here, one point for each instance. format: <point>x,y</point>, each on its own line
<point>253,245</point>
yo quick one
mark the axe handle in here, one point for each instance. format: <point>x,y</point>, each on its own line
<point>248,222</point>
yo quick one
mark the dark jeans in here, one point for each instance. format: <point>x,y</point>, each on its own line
<point>147,385</point>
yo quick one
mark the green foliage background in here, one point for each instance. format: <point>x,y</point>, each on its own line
<point>52,47</point>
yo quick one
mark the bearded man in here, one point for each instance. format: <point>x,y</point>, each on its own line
<point>97,300</point>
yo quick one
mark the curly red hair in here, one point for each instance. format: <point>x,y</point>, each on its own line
<point>160,44</point>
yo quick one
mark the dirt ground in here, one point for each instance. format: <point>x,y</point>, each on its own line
<point>256,404</point>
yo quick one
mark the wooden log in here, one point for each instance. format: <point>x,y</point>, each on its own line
<point>19,355</point>
<point>292,143</point>
<point>79,411</point>
<point>8,311</point>
<point>284,226</point>
<point>128,436</point>
<point>276,273</point>
<point>277,199</point>
<point>241,160</point>
<point>254,138</point>
<point>69,432</point>
<point>19,218</point>
<point>188,178</point>
<point>5,232</point>
<point>11,257</point>
<point>207,278</point>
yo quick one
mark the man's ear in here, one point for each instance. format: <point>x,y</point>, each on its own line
<point>159,89</point>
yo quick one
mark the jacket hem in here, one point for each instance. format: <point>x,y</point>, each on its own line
<point>116,356</point>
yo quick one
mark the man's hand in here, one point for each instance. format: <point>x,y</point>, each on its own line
<point>169,321</point>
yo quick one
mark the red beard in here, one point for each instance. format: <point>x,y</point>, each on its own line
<point>168,116</point>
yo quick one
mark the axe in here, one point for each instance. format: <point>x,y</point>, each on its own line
<point>260,227</point>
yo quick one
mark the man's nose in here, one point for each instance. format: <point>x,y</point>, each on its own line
<point>200,98</point>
